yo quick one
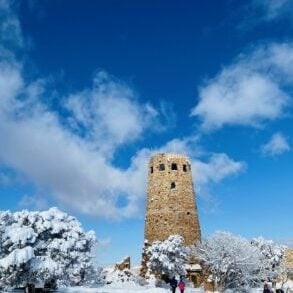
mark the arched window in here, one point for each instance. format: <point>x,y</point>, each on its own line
<point>184,168</point>
<point>152,169</point>
<point>173,185</point>
<point>162,167</point>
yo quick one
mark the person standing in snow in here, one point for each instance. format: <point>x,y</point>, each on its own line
<point>266,288</point>
<point>173,284</point>
<point>181,285</point>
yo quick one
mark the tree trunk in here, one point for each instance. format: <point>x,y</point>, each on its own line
<point>30,288</point>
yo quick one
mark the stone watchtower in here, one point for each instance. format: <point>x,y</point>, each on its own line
<point>171,207</point>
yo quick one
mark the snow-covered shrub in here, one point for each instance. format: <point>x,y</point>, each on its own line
<point>36,246</point>
<point>272,256</point>
<point>167,257</point>
<point>232,261</point>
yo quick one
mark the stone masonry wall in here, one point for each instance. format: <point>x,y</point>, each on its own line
<point>171,207</point>
<point>289,258</point>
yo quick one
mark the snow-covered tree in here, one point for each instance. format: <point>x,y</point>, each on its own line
<point>232,261</point>
<point>167,257</point>
<point>272,255</point>
<point>37,246</point>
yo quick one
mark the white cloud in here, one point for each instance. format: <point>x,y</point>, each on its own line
<point>104,243</point>
<point>249,92</point>
<point>215,168</point>
<point>277,145</point>
<point>208,168</point>
<point>4,179</point>
<point>34,202</point>
<point>258,12</point>
<point>188,145</point>
<point>273,9</point>
<point>218,167</point>
<point>69,160</point>
<point>10,29</point>
<point>75,167</point>
<point>110,113</point>
<point>71,168</point>
<point>287,242</point>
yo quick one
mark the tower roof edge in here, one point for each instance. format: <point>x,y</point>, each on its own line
<point>170,155</point>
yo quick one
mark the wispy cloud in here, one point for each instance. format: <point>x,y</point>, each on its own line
<point>104,243</point>
<point>288,242</point>
<point>33,202</point>
<point>208,167</point>
<point>11,36</point>
<point>273,9</point>
<point>4,179</point>
<point>254,89</point>
<point>218,167</point>
<point>109,112</point>
<point>259,13</point>
<point>277,145</point>
<point>71,167</point>
<point>74,168</point>
<point>68,156</point>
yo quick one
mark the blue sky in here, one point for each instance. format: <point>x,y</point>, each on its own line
<point>90,89</point>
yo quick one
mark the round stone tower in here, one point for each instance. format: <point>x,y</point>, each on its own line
<point>171,207</point>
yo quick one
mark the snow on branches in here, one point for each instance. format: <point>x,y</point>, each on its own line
<point>167,257</point>
<point>37,246</point>
<point>235,262</point>
<point>272,256</point>
<point>232,260</point>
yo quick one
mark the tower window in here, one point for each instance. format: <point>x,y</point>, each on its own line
<point>152,169</point>
<point>173,185</point>
<point>174,166</point>
<point>162,167</point>
<point>184,168</point>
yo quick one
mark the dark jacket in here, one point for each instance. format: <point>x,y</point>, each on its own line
<point>173,282</point>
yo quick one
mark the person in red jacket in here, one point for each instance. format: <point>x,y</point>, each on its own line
<point>181,285</point>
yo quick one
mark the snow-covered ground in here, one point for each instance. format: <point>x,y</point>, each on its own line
<point>127,282</point>
<point>125,289</point>
<point>134,288</point>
